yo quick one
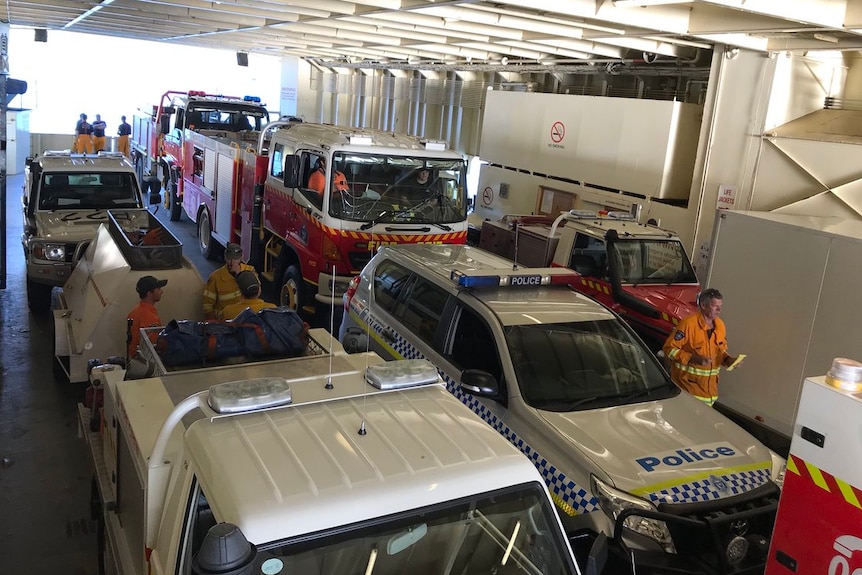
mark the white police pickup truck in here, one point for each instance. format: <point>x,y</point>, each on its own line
<point>623,451</point>
<point>66,197</point>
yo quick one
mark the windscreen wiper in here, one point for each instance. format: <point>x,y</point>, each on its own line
<point>374,221</point>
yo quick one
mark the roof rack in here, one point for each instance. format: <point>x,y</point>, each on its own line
<point>573,215</point>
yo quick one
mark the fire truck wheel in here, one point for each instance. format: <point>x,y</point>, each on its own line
<point>205,236</point>
<point>291,289</point>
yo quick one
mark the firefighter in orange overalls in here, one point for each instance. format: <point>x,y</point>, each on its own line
<point>124,131</point>
<point>83,137</point>
<point>697,349</point>
<point>99,127</point>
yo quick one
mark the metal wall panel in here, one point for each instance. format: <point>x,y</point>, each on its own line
<point>770,274</point>
<point>640,146</point>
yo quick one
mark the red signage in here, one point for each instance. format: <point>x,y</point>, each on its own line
<point>558,132</point>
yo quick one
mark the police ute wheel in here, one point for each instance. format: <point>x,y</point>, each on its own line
<point>38,297</point>
<point>291,289</point>
<point>205,236</point>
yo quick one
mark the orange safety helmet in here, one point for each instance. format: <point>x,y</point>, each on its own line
<point>339,182</point>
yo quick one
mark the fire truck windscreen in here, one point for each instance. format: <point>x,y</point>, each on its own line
<point>399,189</point>
<point>232,119</point>
<point>652,261</point>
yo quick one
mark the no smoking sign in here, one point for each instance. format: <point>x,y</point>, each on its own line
<point>487,196</point>
<point>558,132</point>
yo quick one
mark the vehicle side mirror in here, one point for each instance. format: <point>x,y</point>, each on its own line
<point>291,171</point>
<point>164,124</point>
<point>479,382</point>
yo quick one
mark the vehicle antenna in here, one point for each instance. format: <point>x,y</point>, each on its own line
<point>329,384</point>
<point>515,254</point>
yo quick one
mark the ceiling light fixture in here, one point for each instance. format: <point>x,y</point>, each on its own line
<point>826,38</point>
<point>89,13</point>
<point>642,3</point>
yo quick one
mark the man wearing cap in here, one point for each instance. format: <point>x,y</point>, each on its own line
<point>221,289</point>
<point>249,287</point>
<point>145,315</point>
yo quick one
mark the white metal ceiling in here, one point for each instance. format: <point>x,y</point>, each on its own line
<point>458,33</point>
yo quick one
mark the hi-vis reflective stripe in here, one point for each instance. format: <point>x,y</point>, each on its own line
<point>450,238</point>
<point>665,316</point>
<point>824,480</point>
<point>596,286</point>
<point>697,370</point>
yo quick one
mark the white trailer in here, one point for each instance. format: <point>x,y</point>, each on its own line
<point>90,319</point>
<point>349,466</point>
<point>790,286</point>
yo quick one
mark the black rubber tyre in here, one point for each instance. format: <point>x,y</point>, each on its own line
<point>38,297</point>
<point>206,242</point>
<point>292,289</point>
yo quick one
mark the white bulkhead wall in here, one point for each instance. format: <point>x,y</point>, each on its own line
<point>749,94</point>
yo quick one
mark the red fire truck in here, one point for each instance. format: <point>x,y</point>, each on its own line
<point>159,135</point>
<point>640,271</point>
<point>310,203</point>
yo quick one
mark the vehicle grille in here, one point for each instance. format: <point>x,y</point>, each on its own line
<point>736,532</point>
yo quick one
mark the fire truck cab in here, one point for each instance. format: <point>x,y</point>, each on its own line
<point>333,195</point>
<point>640,271</point>
<point>162,147</point>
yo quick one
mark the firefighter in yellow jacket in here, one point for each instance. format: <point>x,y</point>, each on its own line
<point>697,349</point>
<point>249,287</point>
<point>221,289</point>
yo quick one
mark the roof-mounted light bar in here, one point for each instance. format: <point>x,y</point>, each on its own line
<point>523,277</point>
<point>360,140</point>
<point>249,395</point>
<point>401,374</point>
<point>251,98</point>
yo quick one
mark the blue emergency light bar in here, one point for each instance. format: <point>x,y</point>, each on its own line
<point>525,277</point>
<point>251,98</point>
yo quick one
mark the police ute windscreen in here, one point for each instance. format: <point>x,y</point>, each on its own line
<point>583,365</point>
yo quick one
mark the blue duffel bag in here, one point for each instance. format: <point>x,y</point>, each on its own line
<point>285,331</point>
<point>180,343</point>
<point>186,342</point>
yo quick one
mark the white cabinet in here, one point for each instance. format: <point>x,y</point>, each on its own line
<point>17,140</point>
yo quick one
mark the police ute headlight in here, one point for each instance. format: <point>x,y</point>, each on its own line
<point>779,468</point>
<point>50,252</point>
<point>613,502</point>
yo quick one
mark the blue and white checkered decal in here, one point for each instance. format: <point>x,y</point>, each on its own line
<point>713,487</point>
<point>572,498</point>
